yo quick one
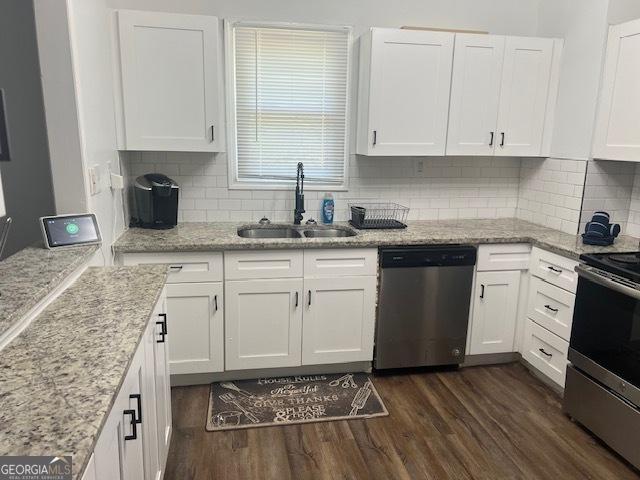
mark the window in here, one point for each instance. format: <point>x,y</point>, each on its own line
<point>288,104</point>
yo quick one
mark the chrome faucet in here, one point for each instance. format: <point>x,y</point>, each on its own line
<point>299,210</point>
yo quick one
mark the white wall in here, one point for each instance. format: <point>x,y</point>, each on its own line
<point>497,16</point>
<point>60,106</point>
<point>74,38</point>
<point>90,29</point>
<point>623,11</point>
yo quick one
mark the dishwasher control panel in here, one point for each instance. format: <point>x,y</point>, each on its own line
<point>445,256</point>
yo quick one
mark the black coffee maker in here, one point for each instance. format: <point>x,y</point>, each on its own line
<point>155,202</point>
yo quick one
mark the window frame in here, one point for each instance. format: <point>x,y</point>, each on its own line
<point>230,93</point>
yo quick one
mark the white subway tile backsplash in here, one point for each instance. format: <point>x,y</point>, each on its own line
<point>447,187</point>
<point>609,187</point>
<point>548,193</point>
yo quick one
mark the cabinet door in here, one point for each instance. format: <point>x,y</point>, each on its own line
<point>132,447</point>
<point>617,135</point>
<point>263,324</point>
<point>495,312</point>
<point>195,327</point>
<point>475,94</point>
<point>339,320</point>
<point>162,388</point>
<point>149,404</point>
<point>170,81</point>
<point>523,96</point>
<point>409,92</point>
<point>90,470</point>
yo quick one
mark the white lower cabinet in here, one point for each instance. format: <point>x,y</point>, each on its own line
<point>196,323</point>
<point>263,323</point>
<point>338,320</point>
<point>495,312</point>
<point>320,317</point>
<point>134,440</point>
<point>550,313</point>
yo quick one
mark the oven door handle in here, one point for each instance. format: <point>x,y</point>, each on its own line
<point>607,282</point>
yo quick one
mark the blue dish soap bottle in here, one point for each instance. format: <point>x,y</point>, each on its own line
<point>327,209</point>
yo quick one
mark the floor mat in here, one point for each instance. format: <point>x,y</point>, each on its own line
<point>289,400</point>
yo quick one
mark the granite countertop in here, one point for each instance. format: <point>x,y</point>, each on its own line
<point>60,376</point>
<point>31,274</point>
<point>191,237</point>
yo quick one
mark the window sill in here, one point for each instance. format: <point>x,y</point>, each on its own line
<point>275,187</point>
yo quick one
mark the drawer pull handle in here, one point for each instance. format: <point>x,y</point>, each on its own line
<point>215,302</point>
<point>297,296</point>
<point>138,398</point>
<point>549,307</point>
<point>482,291</point>
<point>502,141</point>
<point>545,353</point>
<point>163,325</point>
<point>175,268</point>
<point>309,298</point>
<point>134,429</point>
<point>554,269</point>
<point>491,141</point>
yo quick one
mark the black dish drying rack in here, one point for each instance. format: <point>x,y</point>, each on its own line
<point>372,215</point>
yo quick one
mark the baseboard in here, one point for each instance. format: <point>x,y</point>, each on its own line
<point>206,378</point>
<point>490,359</point>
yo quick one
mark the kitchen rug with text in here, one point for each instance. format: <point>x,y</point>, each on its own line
<point>288,400</point>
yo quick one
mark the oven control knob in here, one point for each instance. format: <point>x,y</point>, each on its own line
<point>456,352</point>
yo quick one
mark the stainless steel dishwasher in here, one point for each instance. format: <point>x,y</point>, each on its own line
<point>423,310</point>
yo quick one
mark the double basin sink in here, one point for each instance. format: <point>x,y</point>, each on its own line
<point>294,231</point>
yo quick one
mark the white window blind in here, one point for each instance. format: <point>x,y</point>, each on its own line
<point>290,104</point>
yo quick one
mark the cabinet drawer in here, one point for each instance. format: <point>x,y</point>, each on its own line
<point>504,257</point>
<point>348,261</point>
<point>263,264</point>
<point>551,307</point>
<point>184,267</point>
<point>555,269</point>
<point>546,352</point>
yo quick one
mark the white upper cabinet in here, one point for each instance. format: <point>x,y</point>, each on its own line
<point>170,82</point>
<point>405,79</point>
<point>617,135</point>
<point>502,97</point>
<point>475,94</point>
<point>526,74</point>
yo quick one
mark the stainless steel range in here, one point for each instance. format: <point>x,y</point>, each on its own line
<point>602,389</point>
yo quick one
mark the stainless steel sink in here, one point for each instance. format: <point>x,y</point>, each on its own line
<point>294,231</point>
<point>270,232</point>
<point>329,233</point>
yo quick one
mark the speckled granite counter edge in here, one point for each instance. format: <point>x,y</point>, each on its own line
<point>20,267</point>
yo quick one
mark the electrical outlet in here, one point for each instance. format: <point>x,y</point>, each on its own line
<point>419,166</point>
<point>94,180</point>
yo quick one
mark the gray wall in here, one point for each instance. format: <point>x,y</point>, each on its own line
<point>27,177</point>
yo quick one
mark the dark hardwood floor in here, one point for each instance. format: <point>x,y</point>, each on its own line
<point>496,422</point>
